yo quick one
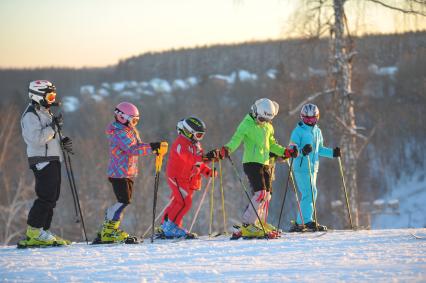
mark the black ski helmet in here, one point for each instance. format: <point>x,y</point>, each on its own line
<point>193,128</point>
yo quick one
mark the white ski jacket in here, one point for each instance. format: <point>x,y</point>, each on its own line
<point>43,144</point>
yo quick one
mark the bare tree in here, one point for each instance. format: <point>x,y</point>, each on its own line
<point>340,75</point>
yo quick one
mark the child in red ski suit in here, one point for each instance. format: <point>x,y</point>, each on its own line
<point>185,166</point>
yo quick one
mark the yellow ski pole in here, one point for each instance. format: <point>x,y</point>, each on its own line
<point>345,190</point>
<point>223,198</point>
<point>158,162</point>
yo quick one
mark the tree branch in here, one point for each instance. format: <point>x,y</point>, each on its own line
<point>350,129</point>
<point>405,11</point>
<point>373,131</point>
<point>310,98</point>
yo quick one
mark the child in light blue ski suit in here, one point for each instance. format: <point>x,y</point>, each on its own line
<point>308,137</point>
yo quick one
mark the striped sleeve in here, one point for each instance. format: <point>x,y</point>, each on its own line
<point>124,141</point>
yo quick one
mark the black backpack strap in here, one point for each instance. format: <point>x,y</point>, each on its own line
<point>31,109</point>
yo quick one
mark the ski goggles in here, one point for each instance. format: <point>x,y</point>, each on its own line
<point>133,121</point>
<point>263,119</point>
<point>50,97</point>
<point>310,120</point>
<point>198,135</point>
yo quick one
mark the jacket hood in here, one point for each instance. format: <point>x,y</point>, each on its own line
<point>115,126</point>
<point>306,127</point>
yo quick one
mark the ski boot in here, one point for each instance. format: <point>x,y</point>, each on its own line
<point>159,233</point>
<point>36,238</point>
<point>315,227</point>
<point>297,227</point>
<point>236,234</point>
<point>111,234</point>
<point>251,231</point>
<point>271,229</point>
<point>171,230</point>
<point>59,240</point>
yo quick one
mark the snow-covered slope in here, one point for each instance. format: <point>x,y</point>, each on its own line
<point>410,192</point>
<point>379,256</point>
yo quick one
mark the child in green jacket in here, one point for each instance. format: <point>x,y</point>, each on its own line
<point>257,134</point>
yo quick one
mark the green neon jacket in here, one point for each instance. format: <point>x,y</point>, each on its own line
<point>258,141</point>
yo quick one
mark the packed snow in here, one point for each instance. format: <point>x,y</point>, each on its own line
<point>359,256</point>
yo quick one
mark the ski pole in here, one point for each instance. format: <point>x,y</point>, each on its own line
<point>285,192</point>
<point>71,180</point>
<point>201,203</point>
<point>77,200</point>
<point>211,202</point>
<point>297,198</point>
<point>247,194</point>
<point>344,188</point>
<point>312,193</point>
<point>158,217</point>
<point>158,162</point>
<point>223,198</point>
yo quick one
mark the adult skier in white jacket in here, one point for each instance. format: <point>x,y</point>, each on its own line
<point>40,133</point>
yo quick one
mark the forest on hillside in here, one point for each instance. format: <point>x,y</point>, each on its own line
<point>390,107</point>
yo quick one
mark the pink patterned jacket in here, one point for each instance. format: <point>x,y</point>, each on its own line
<point>125,147</point>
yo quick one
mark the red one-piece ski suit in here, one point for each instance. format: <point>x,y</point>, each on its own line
<point>184,168</point>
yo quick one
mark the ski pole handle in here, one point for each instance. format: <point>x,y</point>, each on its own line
<point>160,154</point>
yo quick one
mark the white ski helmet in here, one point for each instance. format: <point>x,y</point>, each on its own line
<point>264,109</point>
<point>42,92</point>
<point>309,114</point>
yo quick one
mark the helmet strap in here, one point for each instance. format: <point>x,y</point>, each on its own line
<point>44,104</point>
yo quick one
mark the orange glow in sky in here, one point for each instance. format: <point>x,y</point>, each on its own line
<point>93,33</point>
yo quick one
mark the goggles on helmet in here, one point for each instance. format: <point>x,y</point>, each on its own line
<point>198,135</point>
<point>50,97</point>
<point>310,120</point>
<point>133,120</point>
<point>263,119</point>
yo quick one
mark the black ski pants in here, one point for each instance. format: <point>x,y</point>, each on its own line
<point>259,175</point>
<point>123,189</point>
<point>47,189</point>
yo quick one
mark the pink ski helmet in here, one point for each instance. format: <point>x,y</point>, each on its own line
<point>127,113</point>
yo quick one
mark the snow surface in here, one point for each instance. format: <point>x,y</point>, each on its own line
<point>360,256</point>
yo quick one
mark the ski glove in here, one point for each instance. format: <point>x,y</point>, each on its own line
<point>206,171</point>
<point>306,149</point>
<point>213,154</point>
<point>336,152</point>
<point>58,121</point>
<point>155,146</point>
<point>224,152</point>
<point>291,151</point>
<point>67,144</point>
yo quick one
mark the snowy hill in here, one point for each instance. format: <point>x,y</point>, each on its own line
<point>378,255</point>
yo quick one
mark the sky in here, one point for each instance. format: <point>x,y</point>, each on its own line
<point>97,33</point>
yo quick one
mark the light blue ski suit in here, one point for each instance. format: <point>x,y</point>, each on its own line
<point>302,135</point>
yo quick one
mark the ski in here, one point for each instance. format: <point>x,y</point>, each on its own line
<point>23,246</point>
<point>320,234</point>
<point>132,240</point>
